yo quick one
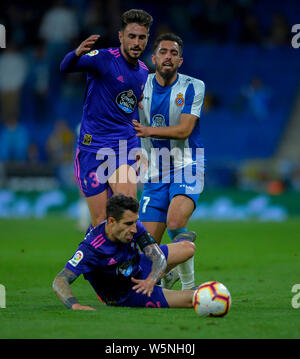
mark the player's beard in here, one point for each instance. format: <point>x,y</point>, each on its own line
<point>136,57</point>
<point>166,74</point>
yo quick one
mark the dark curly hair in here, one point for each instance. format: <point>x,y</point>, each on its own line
<point>169,37</point>
<point>118,204</point>
<point>140,17</point>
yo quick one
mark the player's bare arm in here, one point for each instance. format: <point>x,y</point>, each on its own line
<point>86,45</point>
<point>179,132</point>
<point>159,265</point>
<point>61,286</point>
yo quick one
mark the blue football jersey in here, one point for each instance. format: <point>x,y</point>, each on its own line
<point>163,107</point>
<point>107,265</point>
<point>114,87</point>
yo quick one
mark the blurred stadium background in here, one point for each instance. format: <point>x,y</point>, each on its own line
<point>250,121</point>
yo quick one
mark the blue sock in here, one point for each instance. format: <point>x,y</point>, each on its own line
<point>174,232</point>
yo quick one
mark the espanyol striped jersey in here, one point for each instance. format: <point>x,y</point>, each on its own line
<point>163,106</point>
<point>113,89</point>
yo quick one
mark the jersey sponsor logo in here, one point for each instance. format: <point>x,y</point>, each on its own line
<point>158,120</point>
<point>93,53</point>
<point>126,101</point>
<point>125,269</point>
<point>77,258</point>
<point>179,101</point>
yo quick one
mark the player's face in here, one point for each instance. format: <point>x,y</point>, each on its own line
<point>167,59</point>
<point>133,40</point>
<point>124,229</point>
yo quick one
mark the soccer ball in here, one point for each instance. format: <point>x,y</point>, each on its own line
<point>212,299</point>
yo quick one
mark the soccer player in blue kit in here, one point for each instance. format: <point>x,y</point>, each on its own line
<point>105,157</point>
<point>170,136</point>
<point>120,274</point>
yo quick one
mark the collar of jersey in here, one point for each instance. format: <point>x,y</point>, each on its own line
<point>163,88</point>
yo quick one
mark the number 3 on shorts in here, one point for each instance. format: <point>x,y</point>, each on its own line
<point>146,201</point>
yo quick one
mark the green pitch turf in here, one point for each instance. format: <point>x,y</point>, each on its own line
<point>258,262</point>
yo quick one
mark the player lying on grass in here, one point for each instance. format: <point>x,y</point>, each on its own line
<point>120,274</point>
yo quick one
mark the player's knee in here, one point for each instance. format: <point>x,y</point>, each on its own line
<point>189,248</point>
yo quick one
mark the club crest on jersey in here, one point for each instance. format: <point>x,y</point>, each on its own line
<point>87,139</point>
<point>93,53</point>
<point>179,100</point>
<point>158,120</point>
<point>126,101</point>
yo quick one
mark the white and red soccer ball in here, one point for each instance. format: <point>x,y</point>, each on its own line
<point>212,299</point>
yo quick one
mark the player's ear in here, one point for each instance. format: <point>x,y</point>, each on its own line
<point>153,59</point>
<point>111,220</point>
<point>180,62</point>
<point>121,36</point>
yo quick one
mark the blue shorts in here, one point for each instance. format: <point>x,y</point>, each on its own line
<point>156,197</point>
<point>157,299</point>
<point>92,170</point>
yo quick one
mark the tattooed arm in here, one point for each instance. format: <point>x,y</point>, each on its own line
<point>159,265</point>
<point>158,259</point>
<point>61,286</point>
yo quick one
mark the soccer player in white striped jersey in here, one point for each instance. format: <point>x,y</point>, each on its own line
<point>170,137</point>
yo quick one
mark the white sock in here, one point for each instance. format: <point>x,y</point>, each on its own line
<point>186,273</point>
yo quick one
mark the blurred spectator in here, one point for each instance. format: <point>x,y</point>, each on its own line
<point>13,70</point>
<point>211,102</point>
<point>33,154</point>
<point>37,83</point>
<point>14,141</point>
<point>60,143</point>
<point>58,28</point>
<point>211,20</point>
<point>59,25</point>
<point>280,31</point>
<point>251,32</point>
<point>94,20</point>
<point>60,150</point>
<point>257,97</point>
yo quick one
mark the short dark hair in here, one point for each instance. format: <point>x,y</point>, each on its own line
<point>140,17</point>
<point>118,204</point>
<point>170,36</point>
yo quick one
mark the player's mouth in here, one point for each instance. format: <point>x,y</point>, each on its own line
<point>136,50</point>
<point>167,65</point>
<point>129,237</point>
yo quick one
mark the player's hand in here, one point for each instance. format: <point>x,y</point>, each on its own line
<point>78,306</point>
<point>86,45</point>
<point>140,106</point>
<point>142,162</point>
<point>144,286</point>
<point>141,130</point>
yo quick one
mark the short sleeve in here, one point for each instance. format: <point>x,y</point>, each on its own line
<point>83,261</point>
<point>194,98</point>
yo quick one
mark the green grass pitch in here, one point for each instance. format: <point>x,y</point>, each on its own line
<point>258,262</point>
